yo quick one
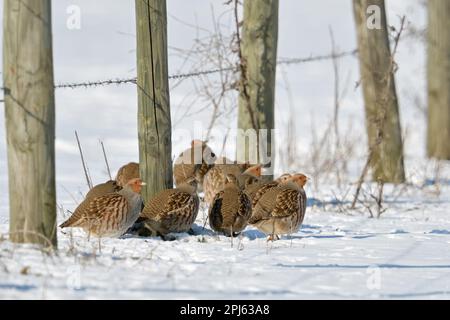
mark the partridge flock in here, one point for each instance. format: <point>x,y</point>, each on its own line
<point>235,192</point>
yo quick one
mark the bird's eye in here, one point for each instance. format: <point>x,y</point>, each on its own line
<point>213,154</point>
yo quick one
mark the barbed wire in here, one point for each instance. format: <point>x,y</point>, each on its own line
<point>95,83</point>
<point>318,58</point>
<point>119,81</point>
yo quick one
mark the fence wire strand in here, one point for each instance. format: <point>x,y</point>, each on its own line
<point>121,81</point>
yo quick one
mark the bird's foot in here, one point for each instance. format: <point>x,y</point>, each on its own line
<point>273,237</point>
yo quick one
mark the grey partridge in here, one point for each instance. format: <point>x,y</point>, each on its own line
<point>108,215</point>
<point>281,209</point>
<point>215,179</point>
<point>256,190</point>
<point>230,209</point>
<point>103,188</point>
<point>172,210</point>
<point>193,162</point>
<point>96,191</point>
<point>127,172</point>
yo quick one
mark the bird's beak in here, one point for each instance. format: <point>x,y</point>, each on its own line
<point>143,183</point>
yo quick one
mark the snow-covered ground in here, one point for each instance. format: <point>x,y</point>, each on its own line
<point>337,253</point>
<point>404,254</point>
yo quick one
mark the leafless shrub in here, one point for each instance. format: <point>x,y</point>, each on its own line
<point>214,93</point>
<point>330,150</point>
<point>372,199</point>
<point>382,114</point>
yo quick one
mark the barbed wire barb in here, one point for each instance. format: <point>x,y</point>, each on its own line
<point>119,81</point>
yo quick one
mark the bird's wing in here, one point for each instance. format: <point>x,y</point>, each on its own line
<point>156,205</point>
<point>245,205</point>
<point>110,204</point>
<point>264,207</point>
<point>180,209</point>
<point>103,188</point>
<point>75,219</point>
<point>262,190</point>
<point>215,211</point>
<point>276,203</point>
<point>177,201</point>
<point>287,203</point>
<point>94,208</point>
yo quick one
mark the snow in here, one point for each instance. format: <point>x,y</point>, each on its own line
<point>336,254</point>
<point>403,254</point>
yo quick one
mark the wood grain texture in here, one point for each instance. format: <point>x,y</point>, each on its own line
<point>30,119</point>
<point>154,122</point>
<point>259,53</point>
<point>438,72</point>
<point>380,97</point>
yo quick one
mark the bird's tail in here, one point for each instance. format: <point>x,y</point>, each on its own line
<point>71,222</point>
<point>215,217</point>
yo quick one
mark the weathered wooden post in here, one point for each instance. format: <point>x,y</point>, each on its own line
<point>438,144</point>
<point>30,120</point>
<point>258,69</point>
<point>155,143</point>
<point>380,97</point>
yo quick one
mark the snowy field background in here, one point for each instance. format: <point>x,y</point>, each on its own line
<point>337,254</point>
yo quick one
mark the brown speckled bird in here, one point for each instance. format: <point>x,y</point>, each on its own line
<point>230,209</point>
<point>126,173</point>
<point>172,210</point>
<point>103,188</point>
<point>281,210</point>
<point>214,180</point>
<point>193,162</point>
<point>108,215</point>
<point>256,190</point>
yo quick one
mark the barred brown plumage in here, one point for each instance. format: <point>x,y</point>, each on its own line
<point>215,179</point>
<point>256,190</point>
<point>110,214</point>
<point>193,162</point>
<point>103,188</point>
<point>97,191</point>
<point>172,210</point>
<point>230,209</point>
<point>281,209</point>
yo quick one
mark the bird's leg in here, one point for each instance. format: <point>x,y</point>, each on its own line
<point>89,230</point>
<point>231,233</point>
<point>273,237</point>
<point>100,244</point>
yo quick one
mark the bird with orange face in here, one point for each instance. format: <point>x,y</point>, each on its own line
<point>110,214</point>
<point>257,189</point>
<point>281,210</point>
